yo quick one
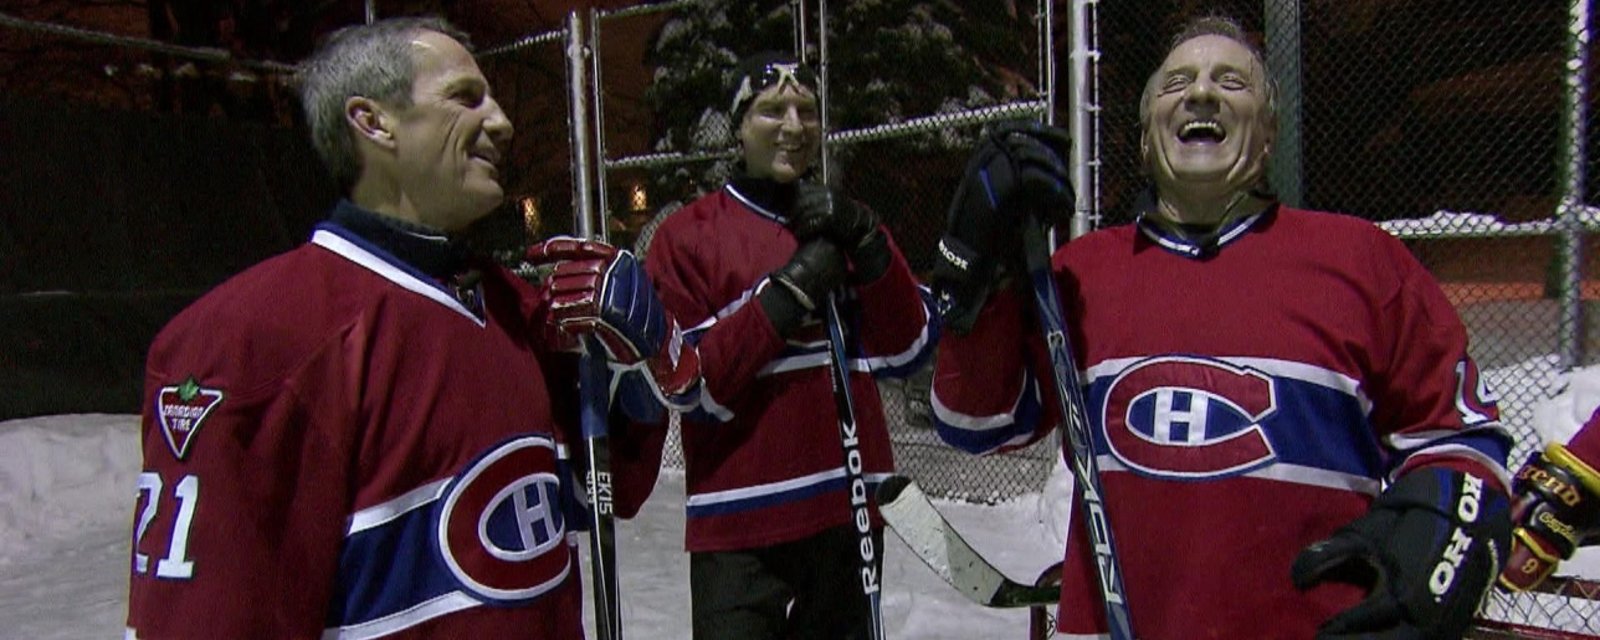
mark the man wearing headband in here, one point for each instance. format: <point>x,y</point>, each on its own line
<point>748,268</point>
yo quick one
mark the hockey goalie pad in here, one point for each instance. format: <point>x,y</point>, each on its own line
<point>1557,510</point>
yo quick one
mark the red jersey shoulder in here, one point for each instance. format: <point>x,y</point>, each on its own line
<point>243,339</point>
<point>291,301</point>
<point>1344,235</point>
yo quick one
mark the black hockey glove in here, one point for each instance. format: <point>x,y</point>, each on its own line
<point>799,287</point>
<point>1016,171</point>
<point>820,212</point>
<point>1557,509</point>
<point>1426,550</point>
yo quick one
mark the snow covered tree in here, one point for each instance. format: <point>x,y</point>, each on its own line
<point>889,60</point>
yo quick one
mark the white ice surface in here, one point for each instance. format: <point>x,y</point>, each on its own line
<point>66,508</point>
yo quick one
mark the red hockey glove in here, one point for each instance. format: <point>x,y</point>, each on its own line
<point>1557,509</point>
<point>1426,551</point>
<point>598,290</point>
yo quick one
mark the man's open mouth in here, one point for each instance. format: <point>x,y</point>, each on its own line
<point>1202,131</point>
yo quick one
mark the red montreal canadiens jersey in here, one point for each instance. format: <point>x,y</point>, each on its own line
<point>763,452</point>
<point>1585,444</point>
<point>335,447</point>
<point>1244,401</point>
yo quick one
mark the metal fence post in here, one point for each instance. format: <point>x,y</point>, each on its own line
<point>1574,155</point>
<point>1083,118</point>
<point>1283,57</point>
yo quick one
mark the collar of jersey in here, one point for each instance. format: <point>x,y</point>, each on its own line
<point>374,258</point>
<point>760,196</point>
<point>1199,248</point>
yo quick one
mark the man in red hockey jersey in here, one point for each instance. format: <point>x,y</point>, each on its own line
<point>365,436</point>
<point>1557,506</point>
<point>1292,438</point>
<point>773,552</point>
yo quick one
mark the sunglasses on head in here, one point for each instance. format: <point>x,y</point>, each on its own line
<point>771,75</point>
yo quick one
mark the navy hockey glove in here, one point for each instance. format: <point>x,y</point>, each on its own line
<point>820,212</point>
<point>598,290</point>
<point>1016,171</point>
<point>799,287</point>
<point>1557,509</point>
<point>1427,551</point>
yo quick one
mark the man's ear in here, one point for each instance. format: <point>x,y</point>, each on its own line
<point>370,120</point>
<point>1144,151</point>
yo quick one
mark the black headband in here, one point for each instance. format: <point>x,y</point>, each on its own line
<point>763,72</point>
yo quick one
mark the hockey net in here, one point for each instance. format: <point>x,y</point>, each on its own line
<point>1562,608</point>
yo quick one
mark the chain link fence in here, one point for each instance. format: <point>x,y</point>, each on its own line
<point>1459,126</point>
<point>898,137</point>
<point>1460,143</point>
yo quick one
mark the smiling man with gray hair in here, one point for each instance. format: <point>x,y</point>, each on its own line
<point>366,436</point>
<point>1292,439</point>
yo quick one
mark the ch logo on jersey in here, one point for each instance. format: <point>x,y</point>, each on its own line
<point>1189,418</point>
<point>501,530</point>
<point>181,409</point>
<point>1476,402</point>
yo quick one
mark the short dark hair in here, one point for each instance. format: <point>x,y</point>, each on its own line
<point>370,60</point>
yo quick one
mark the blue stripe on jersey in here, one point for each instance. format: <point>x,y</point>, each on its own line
<point>796,356</point>
<point>903,364</point>
<point>972,437</point>
<point>383,570</point>
<point>766,500</point>
<point>506,515</point>
<point>1304,423</point>
<point>757,499</point>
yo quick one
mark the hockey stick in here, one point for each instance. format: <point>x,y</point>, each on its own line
<point>848,437</point>
<point>594,388</point>
<point>1074,417</point>
<point>907,510</point>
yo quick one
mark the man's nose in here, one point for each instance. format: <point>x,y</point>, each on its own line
<point>791,120</point>
<point>1202,90</point>
<point>498,125</point>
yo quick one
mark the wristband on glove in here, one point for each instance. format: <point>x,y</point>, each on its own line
<point>1557,510</point>
<point>1426,550</point>
<point>598,290</point>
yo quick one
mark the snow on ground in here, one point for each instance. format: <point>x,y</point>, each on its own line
<point>66,507</point>
<point>1464,224</point>
<point>67,495</point>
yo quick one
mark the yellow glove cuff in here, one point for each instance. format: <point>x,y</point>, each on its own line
<point>1587,476</point>
<point>1536,546</point>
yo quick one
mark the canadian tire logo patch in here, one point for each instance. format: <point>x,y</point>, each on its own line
<point>181,409</point>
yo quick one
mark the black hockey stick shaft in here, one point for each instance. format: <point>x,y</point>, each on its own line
<point>849,437</point>
<point>594,388</point>
<point>1074,419</point>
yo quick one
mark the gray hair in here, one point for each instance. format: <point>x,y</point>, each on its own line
<point>1211,26</point>
<point>369,60</point>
